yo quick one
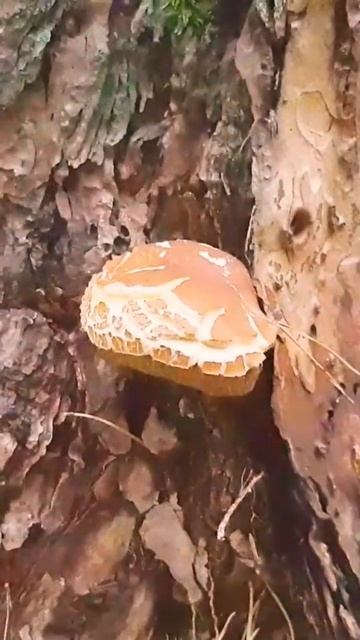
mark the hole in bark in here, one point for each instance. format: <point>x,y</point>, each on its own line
<point>93,230</point>
<point>356,387</point>
<point>35,532</point>
<point>301,220</point>
<point>313,330</point>
<point>124,231</point>
<point>119,245</point>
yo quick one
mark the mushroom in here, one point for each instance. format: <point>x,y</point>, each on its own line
<point>181,310</point>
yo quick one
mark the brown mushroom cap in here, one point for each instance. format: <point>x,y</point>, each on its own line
<point>182,310</point>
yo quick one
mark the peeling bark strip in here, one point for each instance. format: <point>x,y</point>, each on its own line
<point>306,243</point>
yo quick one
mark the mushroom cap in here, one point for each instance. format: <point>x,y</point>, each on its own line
<point>183,305</point>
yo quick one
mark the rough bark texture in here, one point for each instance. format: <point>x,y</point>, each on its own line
<point>306,249</point>
<point>114,132</point>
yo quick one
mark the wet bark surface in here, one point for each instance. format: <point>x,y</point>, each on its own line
<point>113,132</point>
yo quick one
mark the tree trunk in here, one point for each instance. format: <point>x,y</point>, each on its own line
<point>126,121</point>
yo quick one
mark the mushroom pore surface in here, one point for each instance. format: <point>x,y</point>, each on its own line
<point>182,310</point>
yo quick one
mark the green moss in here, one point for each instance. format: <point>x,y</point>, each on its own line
<point>26,27</point>
<point>182,16</point>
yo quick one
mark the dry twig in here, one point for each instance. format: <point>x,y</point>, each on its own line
<point>223,631</point>
<point>246,487</point>
<point>212,604</point>
<point>108,423</point>
<point>257,563</point>
<point>8,610</point>
<point>250,631</point>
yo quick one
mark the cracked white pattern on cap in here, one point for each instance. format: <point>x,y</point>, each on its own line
<point>183,304</point>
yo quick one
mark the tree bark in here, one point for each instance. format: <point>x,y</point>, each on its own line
<point>115,131</point>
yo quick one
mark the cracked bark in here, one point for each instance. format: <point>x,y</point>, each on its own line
<point>112,132</point>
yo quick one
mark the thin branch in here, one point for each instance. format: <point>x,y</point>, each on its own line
<point>8,610</point>
<point>246,488</point>
<point>248,239</point>
<point>212,604</point>
<point>283,611</point>
<point>270,590</point>
<point>193,622</point>
<point>250,632</point>
<point>334,353</point>
<point>221,636</point>
<point>320,366</point>
<point>108,423</point>
<point>285,325</point>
